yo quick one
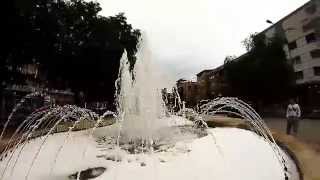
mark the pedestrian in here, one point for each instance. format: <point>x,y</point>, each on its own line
<point>293,115</point>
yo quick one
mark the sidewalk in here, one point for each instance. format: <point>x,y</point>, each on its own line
<point>309,130</point>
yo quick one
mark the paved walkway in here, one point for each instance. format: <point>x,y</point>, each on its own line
<point>309,130</point>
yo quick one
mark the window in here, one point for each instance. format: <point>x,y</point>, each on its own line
<point>316,71</point>
<point>312,24</point>
<point>296,60</point>
<point>299,75</point>
<point>315,53</point>
<point>292,45</point>
<point>311,38</point>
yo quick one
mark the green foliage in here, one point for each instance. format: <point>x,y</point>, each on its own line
<point>229,59</point>
<point>248,42</point>
<point>74,45</point>
<point>263,73</point>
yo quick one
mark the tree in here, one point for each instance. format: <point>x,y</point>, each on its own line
<point>75,47</point>
<point>228,59</point>
<point>248,42</point>
<point>263,73</point>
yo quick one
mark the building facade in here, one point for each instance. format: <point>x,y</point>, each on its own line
<point>212,83</point>
<point>27,79</point>
<point>189,92</point>
<point>301,29</point>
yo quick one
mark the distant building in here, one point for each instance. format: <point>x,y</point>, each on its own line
<point>203,80</point>
<point>209,85</point>
<point>212,83</point>
<point>27,79</point>
<point>188,91</point>
<point>301,29</point>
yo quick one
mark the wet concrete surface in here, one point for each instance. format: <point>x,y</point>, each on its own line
<point>308,131</point>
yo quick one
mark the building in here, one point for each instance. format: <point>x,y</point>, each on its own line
<point>209,85</point>
<point>212,83</point>
<point>203,80</point>
<point>188,91</point>
<point>301,29</point>
<point>27,80</point>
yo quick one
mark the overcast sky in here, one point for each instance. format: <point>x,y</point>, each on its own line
<point>187,36</point>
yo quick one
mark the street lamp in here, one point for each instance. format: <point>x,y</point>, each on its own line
<point>268,21</point>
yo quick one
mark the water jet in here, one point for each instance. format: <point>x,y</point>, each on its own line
<point>144,142</point>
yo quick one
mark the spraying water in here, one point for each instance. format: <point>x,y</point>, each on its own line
<point>141,120</point>
<point>140,104</point>
<point>16,107</point>
<point>234,106</point>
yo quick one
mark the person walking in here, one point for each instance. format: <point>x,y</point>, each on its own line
<point>293,115</point>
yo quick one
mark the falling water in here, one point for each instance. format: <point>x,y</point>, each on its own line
<point>139,99</point>
<point>42,123</point>
<point>141,115</point>
<point>235,106</point>
<point>16,107</point>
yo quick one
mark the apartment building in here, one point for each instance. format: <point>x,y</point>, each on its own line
<point>189,91</point>
<point>301,29</point>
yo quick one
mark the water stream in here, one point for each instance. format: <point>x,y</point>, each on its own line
<point>143,122</point>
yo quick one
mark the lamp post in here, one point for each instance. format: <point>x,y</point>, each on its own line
<point>268,21</point>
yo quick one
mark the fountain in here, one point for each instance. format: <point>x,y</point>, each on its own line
<point>144,142</point>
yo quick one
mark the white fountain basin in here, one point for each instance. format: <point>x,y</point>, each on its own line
<point>240,154</point>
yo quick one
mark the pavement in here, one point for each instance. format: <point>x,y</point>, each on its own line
<point>306,145</point>
<point>308,132</point>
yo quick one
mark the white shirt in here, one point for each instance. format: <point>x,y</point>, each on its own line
<point>293,110</point>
